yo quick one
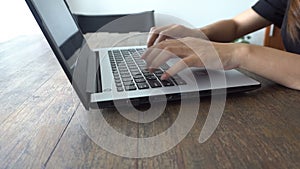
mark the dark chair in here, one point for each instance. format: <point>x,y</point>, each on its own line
<point>123,23</point>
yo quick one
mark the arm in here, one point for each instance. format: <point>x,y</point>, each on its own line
<point>229,30</point>
<point>279,66</point>
<point>222,31</point>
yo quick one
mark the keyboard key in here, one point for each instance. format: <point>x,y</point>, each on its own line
<point>167,82</point>
<point>145,71</point>
<point>140,49</point>
<point>140,62</point>
<point>118,84</point>
<point>120,89</point>
<point>143,67</point>
<point>113,67</point>
<point>147,74</point>
<point>124,72</point>
<point>125,76</point>
<point>178,80</point>
<point>116,52</point>
<point>132,67</point>
<point>131,87</point>
<point>165,67</point>
<point>158,75</point>
<point>128,83</point>
<point>142,85</point>
<point>127,79</point>
<point>154,83</point>
<point>140,80</point>
<point>132,50</point>
<point>138,76</point>
<point>135,72</point>
<point>158,71</point>
<point>150,77</point>
<point>115,74</point>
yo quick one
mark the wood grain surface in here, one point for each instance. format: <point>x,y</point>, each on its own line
<point>42,120</point>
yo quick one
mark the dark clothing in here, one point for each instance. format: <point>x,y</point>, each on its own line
<point>276,12</point>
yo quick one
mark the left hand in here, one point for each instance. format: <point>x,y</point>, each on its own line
<point>194,52</point>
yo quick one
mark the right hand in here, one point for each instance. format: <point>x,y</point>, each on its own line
<point>194,52</point>
<point>158,34</point>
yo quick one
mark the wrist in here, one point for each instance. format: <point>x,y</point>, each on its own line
<point>204,31</point>
<point>240,54</point>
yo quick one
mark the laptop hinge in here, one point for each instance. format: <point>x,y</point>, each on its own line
<point>91,86</point>
<point>98,74</point>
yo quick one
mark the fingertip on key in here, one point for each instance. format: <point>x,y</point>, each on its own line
<point>164,76</point>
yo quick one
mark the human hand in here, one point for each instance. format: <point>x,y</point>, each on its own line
<point>158,34</point>
<point>194,52</point>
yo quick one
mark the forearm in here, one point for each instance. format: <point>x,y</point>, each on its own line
<point>279,66</point>
<point>229,30</point>
<point>222,31</point>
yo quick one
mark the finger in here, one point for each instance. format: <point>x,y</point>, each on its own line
<point>171,51</point>
<point>149,53</point>
<point>165,50</point>
<point>152,37</point>
<point>160,50</point>
<point>155,32</point>
<point>177,67</point>
<point>154,48</point>
<point>161,38</point>
<point>169,33</point>
<point>163,57</point>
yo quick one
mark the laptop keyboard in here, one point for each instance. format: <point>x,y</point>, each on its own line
<point>130,71</point>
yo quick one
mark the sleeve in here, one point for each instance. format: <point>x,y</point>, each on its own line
<point>272,10</point>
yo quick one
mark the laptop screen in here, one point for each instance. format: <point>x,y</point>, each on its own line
<point>66,41</point>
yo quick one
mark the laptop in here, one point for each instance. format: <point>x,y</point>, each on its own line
<point>108,76</point>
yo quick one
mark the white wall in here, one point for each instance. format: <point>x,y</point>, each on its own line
<point>16,19</point>
<point>197,13</point>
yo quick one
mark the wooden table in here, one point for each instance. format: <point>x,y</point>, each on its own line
<point>40,126</point>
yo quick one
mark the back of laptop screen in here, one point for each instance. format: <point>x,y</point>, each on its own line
<point>60,25</point>
<point>66,41</point>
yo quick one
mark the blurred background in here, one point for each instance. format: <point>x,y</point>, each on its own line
<point>17,20</point>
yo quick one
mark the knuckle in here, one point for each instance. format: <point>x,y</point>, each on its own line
<point>179,26</point>
<point>176,25</point>
<point>186,38</point>
<point>173,25</point>
<point>156,30</point>
<point>164,33</point>
<point>153,29</point>
<point>162,44</point>
<point>168,48</point>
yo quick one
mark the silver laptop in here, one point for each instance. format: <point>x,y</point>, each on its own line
<point>117,75</point>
